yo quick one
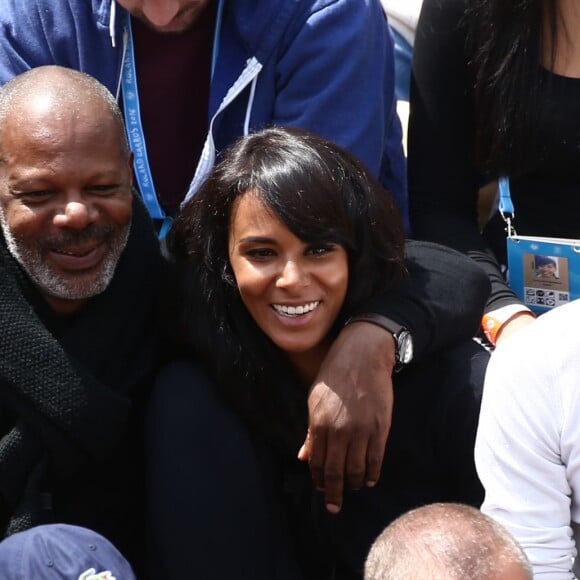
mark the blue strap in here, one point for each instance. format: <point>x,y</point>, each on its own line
<point>505,206</point>
<point>134,127</point>
<point>165,227</point>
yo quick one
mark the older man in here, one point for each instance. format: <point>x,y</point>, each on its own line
<point>79,268</point>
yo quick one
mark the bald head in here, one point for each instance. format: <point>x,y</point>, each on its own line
<point>61,94</point>
<point>446,541</point>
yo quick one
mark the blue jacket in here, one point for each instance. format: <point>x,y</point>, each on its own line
<point>324,65</point>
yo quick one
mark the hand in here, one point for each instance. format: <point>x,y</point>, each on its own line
<point>514,324</point>
<point>350,406</point>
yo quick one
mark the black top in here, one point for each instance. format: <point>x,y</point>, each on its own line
<point>443,177</point>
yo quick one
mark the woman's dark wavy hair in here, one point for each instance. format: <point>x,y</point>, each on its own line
<point>322,194</point>
<point>506,42</point>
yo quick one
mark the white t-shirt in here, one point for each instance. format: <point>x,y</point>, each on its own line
<point>527,450</point>
<point>403,16</point>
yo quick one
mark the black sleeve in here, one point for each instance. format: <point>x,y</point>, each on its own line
<point>441,301</point>
<point>443,178</point>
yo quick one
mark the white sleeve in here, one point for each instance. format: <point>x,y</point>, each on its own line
<point>519,455</point>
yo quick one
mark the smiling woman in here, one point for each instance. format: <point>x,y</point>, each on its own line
<point>287,219</point>
<point>288,238</point>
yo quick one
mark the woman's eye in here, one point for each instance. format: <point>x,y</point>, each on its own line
<point>321,250</point>
<point>260,253</point>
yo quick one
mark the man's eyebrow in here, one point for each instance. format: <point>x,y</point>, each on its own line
<point>24,182</point>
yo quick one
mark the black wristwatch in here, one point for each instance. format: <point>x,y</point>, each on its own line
<point>403,337</point>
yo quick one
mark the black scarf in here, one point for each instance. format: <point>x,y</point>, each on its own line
<point>66,396</point>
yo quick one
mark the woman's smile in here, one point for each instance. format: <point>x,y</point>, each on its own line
<point>295,310</point>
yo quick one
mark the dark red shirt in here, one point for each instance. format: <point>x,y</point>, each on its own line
<point>173,78</point>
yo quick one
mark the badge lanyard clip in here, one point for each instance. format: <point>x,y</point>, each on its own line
<point>505,206</point>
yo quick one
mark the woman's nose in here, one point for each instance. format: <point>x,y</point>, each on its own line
<point>292,274</point>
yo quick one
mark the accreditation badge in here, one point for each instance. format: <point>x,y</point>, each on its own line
<point>544,272</point>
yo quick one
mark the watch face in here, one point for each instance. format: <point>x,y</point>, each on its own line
<point>405,347</point>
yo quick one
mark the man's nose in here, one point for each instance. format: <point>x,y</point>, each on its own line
<point>160,12</point>
<point>76,214</point>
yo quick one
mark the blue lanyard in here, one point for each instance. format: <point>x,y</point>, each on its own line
<point>505,200</point>
<point>505,204</point>
<point>135,134</point>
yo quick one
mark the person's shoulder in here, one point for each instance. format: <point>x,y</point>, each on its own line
<point>313,6</point>
<point>535,369</point>
<point>274,15</point>
<point>95,6</point>
<point>552,337</point>
<point>49,11</point>
<point>559,320</point>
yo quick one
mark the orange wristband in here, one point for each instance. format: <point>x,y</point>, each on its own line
<point>491,326</point>
<point>493,322</point>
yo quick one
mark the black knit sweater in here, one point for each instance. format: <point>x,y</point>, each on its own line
<point>69,388</point>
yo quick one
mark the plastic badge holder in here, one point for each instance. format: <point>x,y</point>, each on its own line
<point>543,272</point>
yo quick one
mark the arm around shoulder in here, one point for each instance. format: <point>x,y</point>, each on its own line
<point>442,299</point>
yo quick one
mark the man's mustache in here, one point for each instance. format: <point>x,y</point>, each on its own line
<point>92,233</point>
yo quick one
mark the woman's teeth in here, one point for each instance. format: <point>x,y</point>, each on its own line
<point>295,310</point>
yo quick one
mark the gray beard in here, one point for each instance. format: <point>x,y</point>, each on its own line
<point>54,284</point>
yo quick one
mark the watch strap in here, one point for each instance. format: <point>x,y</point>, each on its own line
<point>395,329</point>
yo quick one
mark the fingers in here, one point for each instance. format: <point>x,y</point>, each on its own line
<point>306,449</point>
<point>356,463</point>
<point>327,462</point>
<point>333,472</point>
<point>317,440</point>
<point>338,460</point>
<point>347,463</point>
<point>374,458</point>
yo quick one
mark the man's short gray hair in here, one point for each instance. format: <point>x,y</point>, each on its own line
<point>444,541</point>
